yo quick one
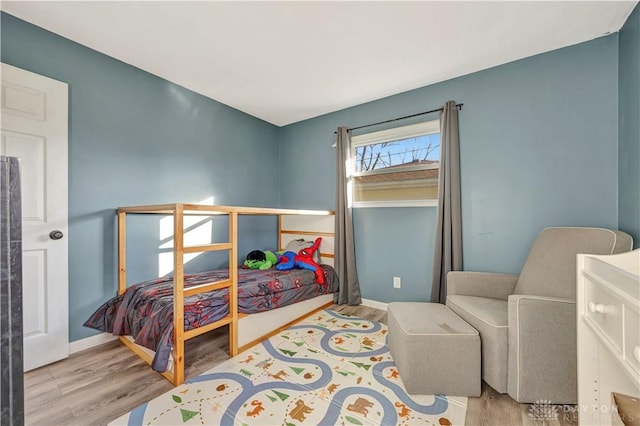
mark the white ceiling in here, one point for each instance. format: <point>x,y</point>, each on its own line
<point>289,61</point>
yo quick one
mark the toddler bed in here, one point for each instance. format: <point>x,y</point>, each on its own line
<point>160,314</point>
<point>145,310</point>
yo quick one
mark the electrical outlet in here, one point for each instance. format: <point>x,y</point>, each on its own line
<point>396,282</point>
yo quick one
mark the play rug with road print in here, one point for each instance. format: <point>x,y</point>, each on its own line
<point>328,369</point>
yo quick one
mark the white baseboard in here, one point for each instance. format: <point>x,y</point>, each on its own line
<point>375,304</point>
<point>90,342</point>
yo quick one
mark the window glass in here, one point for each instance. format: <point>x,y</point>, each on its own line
<point>396,167</point>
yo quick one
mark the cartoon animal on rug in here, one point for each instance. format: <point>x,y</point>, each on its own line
<point>265,364</point>
<point>304,260</point>
<point>248,360</point>
<point>257,410</point>
<point>367,341</point>
<point>404,411</point>
<point>279,375</point>
<point>361,406</point>
<point>300,411</point>
<point>332,387</point>
<point>394,374</point>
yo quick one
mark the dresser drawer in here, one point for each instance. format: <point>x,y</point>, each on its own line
<point>605,312</point>
<point>632,338</point>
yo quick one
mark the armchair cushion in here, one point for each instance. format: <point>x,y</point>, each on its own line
<point>489,317</point>
<point>550,268</point>
<point>481,284</point>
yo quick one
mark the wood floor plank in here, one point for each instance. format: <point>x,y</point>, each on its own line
<point>122,392</point>
<point>54,415</point>
<point>493,408</point>
<point>42,396</point>
<point>98,385</point>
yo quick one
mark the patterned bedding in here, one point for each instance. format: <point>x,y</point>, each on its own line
<point>145,310</point>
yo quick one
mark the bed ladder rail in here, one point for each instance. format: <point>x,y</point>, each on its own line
<point>207,247</point>
<point>203,329</point>
<point>202,288</point>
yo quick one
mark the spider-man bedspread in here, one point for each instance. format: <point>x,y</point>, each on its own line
<point>145,310</point>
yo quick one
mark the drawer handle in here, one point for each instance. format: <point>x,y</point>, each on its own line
<point>597,307</point>
<point>636,353</point>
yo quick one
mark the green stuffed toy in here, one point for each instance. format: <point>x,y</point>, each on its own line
<point>258,259</point>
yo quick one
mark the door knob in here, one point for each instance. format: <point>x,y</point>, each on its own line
<point>597,308</point>
<point>56,235</point>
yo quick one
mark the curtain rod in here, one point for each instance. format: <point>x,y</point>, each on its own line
<point>459,106</point>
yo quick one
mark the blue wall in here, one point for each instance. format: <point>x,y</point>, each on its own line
<point>629,142</point>
<point>135,138</point>
<point>538,148</point>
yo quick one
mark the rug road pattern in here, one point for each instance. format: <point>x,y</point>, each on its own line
<point>329,369</point>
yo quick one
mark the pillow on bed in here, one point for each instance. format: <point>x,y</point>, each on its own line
<point>297,245</point>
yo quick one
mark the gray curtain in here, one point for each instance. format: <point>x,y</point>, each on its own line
<point>345,252</point>
<point>448,250</point>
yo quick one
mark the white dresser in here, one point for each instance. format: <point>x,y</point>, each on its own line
<point>608,308</point>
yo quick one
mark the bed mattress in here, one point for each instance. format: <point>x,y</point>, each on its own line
<point>145,310</point>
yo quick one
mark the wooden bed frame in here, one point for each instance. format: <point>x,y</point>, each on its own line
<point>245,330</point>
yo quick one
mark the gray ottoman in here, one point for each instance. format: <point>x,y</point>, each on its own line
<point>436,352</point>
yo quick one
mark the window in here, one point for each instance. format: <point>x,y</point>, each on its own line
<point>396,167</point>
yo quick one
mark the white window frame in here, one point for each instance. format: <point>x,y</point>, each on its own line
<point>396,133</point>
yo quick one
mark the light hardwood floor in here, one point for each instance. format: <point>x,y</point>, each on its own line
<point>95,386</point>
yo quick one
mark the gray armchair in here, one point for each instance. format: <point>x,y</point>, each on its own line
<point>527,322</point>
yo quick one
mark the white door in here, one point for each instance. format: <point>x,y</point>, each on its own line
<point>34,129</point>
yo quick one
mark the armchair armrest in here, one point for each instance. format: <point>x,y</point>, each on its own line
<point>542,349</point>
<point>481,284</point>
